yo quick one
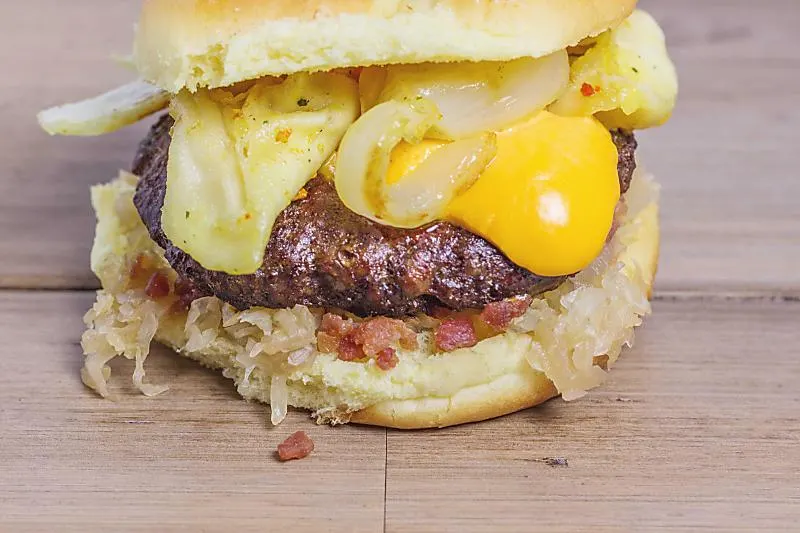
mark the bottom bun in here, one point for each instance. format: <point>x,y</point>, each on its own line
<point>563,344</point>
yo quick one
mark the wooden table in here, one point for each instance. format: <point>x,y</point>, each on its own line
<point>697,429</point>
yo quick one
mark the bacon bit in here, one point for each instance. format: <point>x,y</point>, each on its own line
<point>157,286</point>
<point>336,325</point>
<point>499,315</point>
<point>327,343</point>
<point>455,333</point>
<point>387,359</point>
<point>371,338</point>
<point>333,337</point>
<point>408,338</point>
<point>587,90</point>
<point>374,335</point>
<point>379,333</point>
<point>282,135</point>
<point>349,350</point>
<point>297,446</point>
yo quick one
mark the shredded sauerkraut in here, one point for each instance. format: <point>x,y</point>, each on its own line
<point>574,332</point>
<point>590,315</point>
<point>119,324</point>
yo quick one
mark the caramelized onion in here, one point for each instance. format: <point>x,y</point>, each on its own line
<point>422,194</point>
<point>475,97</point>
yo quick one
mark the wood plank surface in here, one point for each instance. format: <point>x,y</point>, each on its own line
<point>55,52</point>
<point>728,160</point>
<point>697,429</point>
<point>195,458</point>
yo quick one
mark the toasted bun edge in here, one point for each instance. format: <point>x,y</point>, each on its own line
<point>198,43</point>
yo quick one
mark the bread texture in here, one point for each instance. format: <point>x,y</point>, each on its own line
<point>211,43</point>
<point>517,369</point>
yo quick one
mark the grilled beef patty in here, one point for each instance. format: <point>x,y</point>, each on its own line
<point>322,254</point>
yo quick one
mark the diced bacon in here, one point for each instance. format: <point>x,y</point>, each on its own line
<point>375,335</point>
<point>157,286</point>
<point>387,359</point>
<point>350,351</point>
<point>500,314</point>
<point>408,338</point>
<point>354,341</point>
<point>379,333</point>
<point>454,333</point>
<point>333,331</point>
<point>297,446</point>
<point>336,325</point>
<point>327,343</point>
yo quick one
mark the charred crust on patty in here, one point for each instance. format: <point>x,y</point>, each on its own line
<point>322,254</point>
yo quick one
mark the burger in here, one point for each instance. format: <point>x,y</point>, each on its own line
<point>403,213</point>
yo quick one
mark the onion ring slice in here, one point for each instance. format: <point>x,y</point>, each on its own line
<point>420,196</point>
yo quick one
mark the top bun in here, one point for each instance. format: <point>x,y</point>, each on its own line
<point>213,43</point>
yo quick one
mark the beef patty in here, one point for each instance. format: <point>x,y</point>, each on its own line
<point>322,254</point>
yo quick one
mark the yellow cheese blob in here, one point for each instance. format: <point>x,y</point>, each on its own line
<point>406,157</point>
<point>547,200</point>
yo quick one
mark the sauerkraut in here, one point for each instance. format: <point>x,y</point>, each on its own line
<point>571,334</point>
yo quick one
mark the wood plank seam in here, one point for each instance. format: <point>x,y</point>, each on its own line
<point>787,294</point>
<point>385,475</point>
<point>745,296</point>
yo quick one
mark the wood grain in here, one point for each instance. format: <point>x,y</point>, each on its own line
<point>697,429</point>
<point>196,458</point>
<point>55,52</point>
<point>728,160</point>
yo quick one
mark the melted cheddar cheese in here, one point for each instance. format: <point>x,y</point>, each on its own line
<point>547,200</point>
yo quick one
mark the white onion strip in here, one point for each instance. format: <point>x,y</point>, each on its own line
<point>420,196</point>
<point>477,97</point>
<point>105,113</point>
